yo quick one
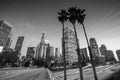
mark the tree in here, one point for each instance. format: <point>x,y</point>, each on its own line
<point>38,62</point>
<point>8,57</point>
<point>63,18</point>
<point>80,18</point>
<point>73,18</point>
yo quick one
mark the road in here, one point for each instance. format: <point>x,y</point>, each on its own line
<point>45,74</point>
<point>102,72</point>
<point>25,74</point>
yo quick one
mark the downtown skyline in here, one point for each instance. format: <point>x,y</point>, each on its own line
<point>31,18</point>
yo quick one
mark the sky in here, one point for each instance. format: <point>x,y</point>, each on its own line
<point>30,18</point>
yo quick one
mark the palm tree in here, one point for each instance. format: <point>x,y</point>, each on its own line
<point>72,18</point>
<point>80,19</point>
<point>63,18</point>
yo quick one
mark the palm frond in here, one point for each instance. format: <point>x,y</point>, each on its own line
<point>62,16</point>
<point>72,10</point>
<point>81,18</point>
<point>72,14</point>
<point>82,11</point>
<point>80,15</point>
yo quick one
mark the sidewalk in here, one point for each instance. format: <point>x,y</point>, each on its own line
<point>114,76</point>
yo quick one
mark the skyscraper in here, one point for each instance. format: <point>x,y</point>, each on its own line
<point>110,56</point>
<point>5,30</point>
<point>57,52</point>
<point>41,48</point>
<point>84,55</point>
<point>94,48</point>
<point>9,41</point>
<point>70,46</point>
<point>103,51</point>
<point>19,44</point>
<point>50,52</point>
<point>118,54</point>
<point>31,52</point>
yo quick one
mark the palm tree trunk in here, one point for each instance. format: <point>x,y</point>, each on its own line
<point>91,57</point>
<point>63,50</point>
<point>79,55</point>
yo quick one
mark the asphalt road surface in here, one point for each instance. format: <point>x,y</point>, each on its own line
<point>102,72</point>
<point>45,74</point>
<point>25,74</point>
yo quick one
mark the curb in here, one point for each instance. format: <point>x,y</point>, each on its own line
<point>50,75</point>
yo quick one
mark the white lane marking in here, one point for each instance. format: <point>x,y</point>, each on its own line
<point>50,74</point>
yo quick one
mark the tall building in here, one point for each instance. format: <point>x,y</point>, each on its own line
<point>37,51</point>
<point>50,52</point>
<point>110,56</point>
<point>118,54</point>
<point>70,46</point>
<point>41,48</point>
<point>58,57</point>
<point>94,48</point>
<point>19,44</point>
<point>102,59</point>
<point>5,30</point>
<point>31,52</point>
<point>57,52</point>
<point>9,41</point>
<point>84,53</point>
<point>103,50</point>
